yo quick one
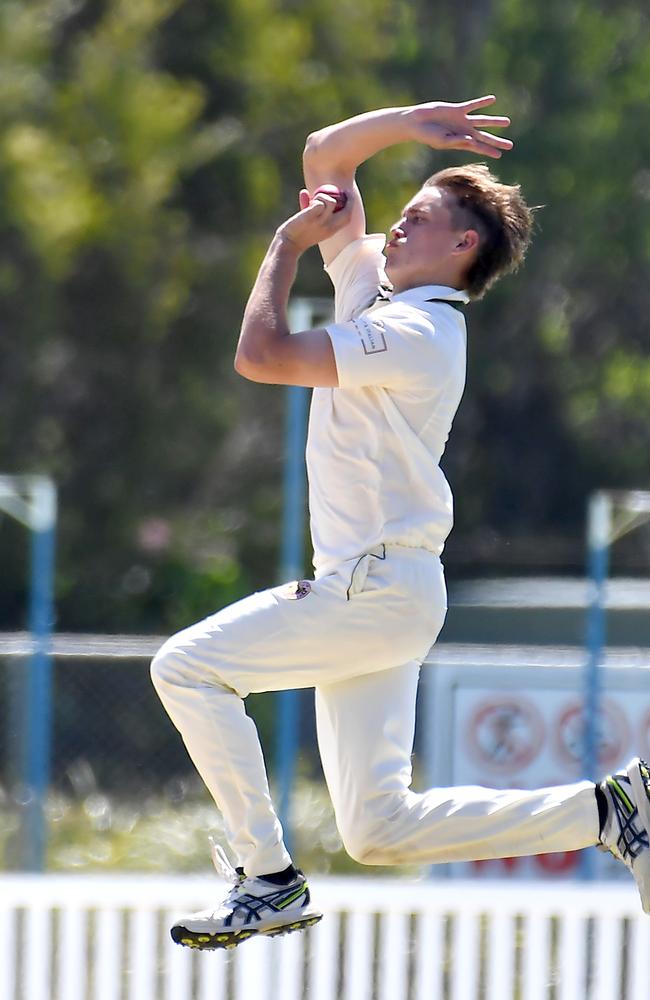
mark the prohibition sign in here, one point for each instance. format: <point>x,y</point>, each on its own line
<point>506,733</point>
<point>613,733</point>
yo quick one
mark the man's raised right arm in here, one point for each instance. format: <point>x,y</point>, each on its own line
<point>333,154</point>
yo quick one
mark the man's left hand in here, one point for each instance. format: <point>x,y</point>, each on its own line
<point>457,126</point>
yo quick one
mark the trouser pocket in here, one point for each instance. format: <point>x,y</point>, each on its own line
<point>361,569</point>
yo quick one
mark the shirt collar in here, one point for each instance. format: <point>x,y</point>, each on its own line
<point>423,293</point>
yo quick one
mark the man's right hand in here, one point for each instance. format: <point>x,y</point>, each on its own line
<point>317,221</point>
<point>453,126</point>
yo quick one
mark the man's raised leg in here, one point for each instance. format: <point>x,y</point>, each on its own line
<point>365,732</point>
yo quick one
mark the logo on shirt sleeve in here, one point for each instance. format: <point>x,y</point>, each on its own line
<point>372,339</point>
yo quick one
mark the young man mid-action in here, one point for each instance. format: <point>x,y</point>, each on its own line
<point>388,376</point>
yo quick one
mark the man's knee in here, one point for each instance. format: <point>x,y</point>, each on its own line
<point>369,837</point>
<point>363,846</point>
<point>181,663</point>
<point>166,666</point>
<point>359,848</point>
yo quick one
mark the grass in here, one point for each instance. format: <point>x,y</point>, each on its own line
<point>167,832</point>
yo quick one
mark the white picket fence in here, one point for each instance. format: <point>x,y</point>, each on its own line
<point>67,937</point>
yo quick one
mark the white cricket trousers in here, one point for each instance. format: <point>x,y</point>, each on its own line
<point>358,635</point>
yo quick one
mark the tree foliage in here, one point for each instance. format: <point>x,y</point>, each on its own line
<point>148,149</point>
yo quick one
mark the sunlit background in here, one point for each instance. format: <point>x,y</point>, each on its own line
<point>148,149</point>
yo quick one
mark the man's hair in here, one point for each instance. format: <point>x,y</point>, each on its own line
<point>497,212</point>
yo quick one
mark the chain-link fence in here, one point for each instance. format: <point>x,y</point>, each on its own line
<point>123,792</point>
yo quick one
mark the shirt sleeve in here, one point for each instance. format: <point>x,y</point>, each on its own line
<point>394,348</point>
<point>356,273</point>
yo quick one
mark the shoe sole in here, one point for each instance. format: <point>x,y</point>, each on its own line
<point>641,869</point>
<point>230,939</point>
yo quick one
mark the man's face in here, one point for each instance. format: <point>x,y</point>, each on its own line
<point>423,248</point>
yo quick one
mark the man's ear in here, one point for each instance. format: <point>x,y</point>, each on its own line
<point>469,240</point>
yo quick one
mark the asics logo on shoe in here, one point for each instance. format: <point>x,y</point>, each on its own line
<point>247,908</point>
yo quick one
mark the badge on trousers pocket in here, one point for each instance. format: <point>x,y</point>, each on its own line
<point>295,591</point>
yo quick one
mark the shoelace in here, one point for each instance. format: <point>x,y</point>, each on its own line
<point>222,864</point>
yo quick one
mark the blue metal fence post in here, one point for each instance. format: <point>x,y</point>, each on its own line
<point>292,560</point>
<point>599,532</point>
<point>38,681</point>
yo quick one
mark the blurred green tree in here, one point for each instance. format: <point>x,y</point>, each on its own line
<point>147,151</point>
<point>95,266</point>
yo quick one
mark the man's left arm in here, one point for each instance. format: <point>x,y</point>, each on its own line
<point>267,351</point>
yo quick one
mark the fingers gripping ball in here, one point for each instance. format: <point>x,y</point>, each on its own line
<point>340,197</point>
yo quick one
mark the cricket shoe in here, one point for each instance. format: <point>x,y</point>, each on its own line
<point>253,906</point>
<point>626,831</point>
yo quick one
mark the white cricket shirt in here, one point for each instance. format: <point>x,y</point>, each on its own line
<point>375,442</point>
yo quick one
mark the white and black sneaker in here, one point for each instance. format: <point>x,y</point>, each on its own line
<point>626,831</point>
<point>253,906</point>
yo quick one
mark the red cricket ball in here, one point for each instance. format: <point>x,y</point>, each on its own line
<point>335,192</point>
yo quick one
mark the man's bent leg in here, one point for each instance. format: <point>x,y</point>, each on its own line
<point>224,746</point>
<point>271,896</point>
<point>365,735</point>
<point>195,673</point>
<point>365,731</point>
